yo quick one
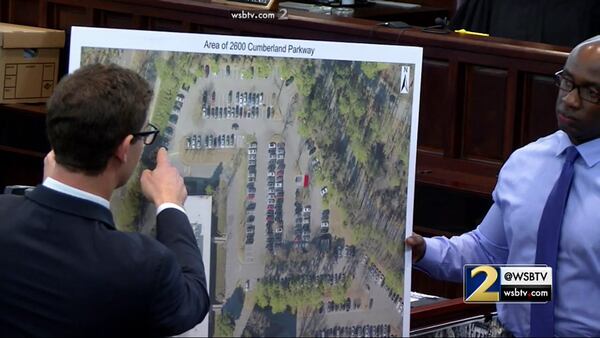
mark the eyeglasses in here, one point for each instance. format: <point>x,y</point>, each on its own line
<point>148,136</point>
<point>587,93</point>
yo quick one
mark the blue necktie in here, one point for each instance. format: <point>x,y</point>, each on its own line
<point>542,315</point>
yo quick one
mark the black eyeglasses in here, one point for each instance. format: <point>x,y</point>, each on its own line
<point>148,136</point>
<point>587,93</point>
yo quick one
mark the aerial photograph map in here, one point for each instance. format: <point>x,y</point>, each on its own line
<point>309,161</point>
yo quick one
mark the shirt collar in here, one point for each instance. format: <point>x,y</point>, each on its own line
<point>589,151</point>
<point>69,190</point>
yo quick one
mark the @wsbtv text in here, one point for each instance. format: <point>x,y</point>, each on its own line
<point>507,283</point>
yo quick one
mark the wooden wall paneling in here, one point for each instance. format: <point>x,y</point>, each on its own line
<point>23,130</point>
<point>538,116</point>
<point>313,25</point>
<point>478,177</point>
<point>173,21</point>
<point>456,89</point>
<point>274,29</point>
<point>4,10</point>
<point>151,17</point>
<point>524,62</point>
<point>484,114</point>
<point>187,26</point>
<point>63,16</point>
<point>196,28</point>
<point>298,26</point>
<point>142,22</point>
<point>455,212</point>
<point>517,128</point>
<point>512,101</point>
<point>90,13</point>
<point>434,114</point>
<point>23,12</point>
<point>450,5</point>
<point>19,168</point>
<point>162,24</point>
<point>138,21</point>
<point>281,29</point>
<point>41,14</point>
<point>111,19</point>
<point>259,35</point>
<point>23,144</point>
<point>421,282</point>
<point>205,29</point>
<point>215,24</point>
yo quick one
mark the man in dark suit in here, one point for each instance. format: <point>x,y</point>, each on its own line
<point>64,269</point>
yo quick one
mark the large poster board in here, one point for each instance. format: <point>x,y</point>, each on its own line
<point>308,151</point>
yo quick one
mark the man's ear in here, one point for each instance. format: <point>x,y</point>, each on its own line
<point>123,148</point>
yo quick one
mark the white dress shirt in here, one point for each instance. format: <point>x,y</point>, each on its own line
<point>69,190</point>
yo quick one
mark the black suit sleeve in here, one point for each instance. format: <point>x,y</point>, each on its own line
<point>180,299</point>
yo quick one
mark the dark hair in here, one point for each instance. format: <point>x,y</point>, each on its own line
<point>92,111</point>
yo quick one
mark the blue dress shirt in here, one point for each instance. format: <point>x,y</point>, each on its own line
<point>508,234</point>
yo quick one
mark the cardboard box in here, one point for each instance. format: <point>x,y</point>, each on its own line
<point>28,62</point>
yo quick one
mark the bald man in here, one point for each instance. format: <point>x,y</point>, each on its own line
<point>547,192</point>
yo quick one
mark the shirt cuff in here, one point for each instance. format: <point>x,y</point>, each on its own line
<point>167,206</point>
<point>431,259</point>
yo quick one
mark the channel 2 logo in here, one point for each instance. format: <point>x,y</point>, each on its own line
<point>507,283</point>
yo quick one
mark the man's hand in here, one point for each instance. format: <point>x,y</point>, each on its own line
<point>163,184</point>
<point>49,164</point>
<point>417,243</point>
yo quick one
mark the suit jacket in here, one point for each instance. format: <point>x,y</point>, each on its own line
<point>65,270</point>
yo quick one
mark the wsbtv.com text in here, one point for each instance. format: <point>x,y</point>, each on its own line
<point>256,15</point>
<point>507,283</point>
<point>521,294</point>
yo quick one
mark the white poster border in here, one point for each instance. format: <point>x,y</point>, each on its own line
<point>204,43</point>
